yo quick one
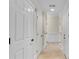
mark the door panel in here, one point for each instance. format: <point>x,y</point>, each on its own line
<point>19,4</point>
<point>19,54</point>
<point>19,26</point>
<point>22,30</point>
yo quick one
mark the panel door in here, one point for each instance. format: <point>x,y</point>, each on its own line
<point>22,30</point>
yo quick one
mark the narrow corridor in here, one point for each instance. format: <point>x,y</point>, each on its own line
<point>52,52</point>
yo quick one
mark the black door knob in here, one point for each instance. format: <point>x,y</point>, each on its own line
<point>32,40</point>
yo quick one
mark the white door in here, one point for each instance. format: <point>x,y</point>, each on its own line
<point>22,30</point>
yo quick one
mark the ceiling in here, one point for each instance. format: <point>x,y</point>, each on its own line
<point>58,5</point>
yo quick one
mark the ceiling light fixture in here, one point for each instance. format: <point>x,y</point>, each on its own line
<point>52,9</point>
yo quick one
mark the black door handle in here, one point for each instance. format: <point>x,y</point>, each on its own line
<point>9,41</point>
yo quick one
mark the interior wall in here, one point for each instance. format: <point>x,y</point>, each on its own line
<point>52,24</point>
<point>39,31</point>
<point>52,28</point>
<point>44,28</point>
<point>66,32</point>
<point>65,29</point>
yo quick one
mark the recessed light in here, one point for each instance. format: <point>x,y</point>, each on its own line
<point>52,9</point>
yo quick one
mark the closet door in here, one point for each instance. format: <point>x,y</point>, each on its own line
<point>22,30</point>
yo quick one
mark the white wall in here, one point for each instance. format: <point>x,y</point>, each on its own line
<point>66,32</point>
<point>52,28</point>
<point>39,31</point>
<point>52,24</point>
<point>65,29</point>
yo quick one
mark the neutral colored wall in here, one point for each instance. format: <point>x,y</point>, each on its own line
<point>66,32</point>
<point>52,28</point>
<point>65,25</point>
<point>39,32</point>
<point>52,24</point>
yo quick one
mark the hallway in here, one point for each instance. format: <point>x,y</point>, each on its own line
<point>39,29</point>
<point>52,52</point>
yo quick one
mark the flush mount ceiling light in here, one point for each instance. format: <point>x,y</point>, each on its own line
<point>52,9</point>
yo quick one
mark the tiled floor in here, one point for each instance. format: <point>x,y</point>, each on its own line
<point>52,52</point>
